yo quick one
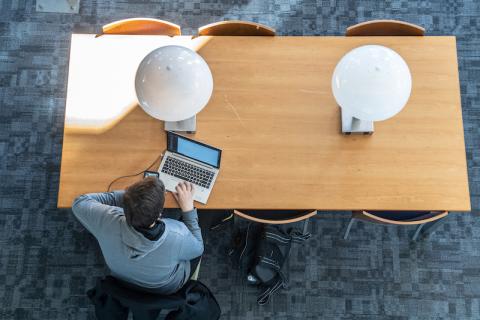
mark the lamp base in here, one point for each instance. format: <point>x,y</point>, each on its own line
<point>352,125</point>
<point>187,126</point>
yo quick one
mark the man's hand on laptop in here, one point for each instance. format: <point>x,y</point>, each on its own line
<point>184,195</point>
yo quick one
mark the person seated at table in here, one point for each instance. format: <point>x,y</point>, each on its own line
<point>140,246</point>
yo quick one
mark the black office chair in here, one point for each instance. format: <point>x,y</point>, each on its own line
<point>114,299</point>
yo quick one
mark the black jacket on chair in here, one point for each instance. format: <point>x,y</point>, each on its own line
<point>113,301</point>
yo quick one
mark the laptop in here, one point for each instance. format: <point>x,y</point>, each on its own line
<point>190,160</point>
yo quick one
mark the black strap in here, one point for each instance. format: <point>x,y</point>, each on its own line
<point>295,235</point>
<point>298,236</point>
<point>264,297</point>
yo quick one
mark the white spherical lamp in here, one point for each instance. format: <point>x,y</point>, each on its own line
<point>174,83</point>
<point>370,83</point>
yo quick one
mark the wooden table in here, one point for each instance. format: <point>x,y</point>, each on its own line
<point>273,114</point>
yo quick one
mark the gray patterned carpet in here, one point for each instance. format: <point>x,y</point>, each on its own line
<point>48,261</point>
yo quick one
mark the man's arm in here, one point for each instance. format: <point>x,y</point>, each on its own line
<point>192,245</point>
<point>95,210</point>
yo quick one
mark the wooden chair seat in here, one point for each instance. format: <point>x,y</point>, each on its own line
<point>235,28</point>
<point>275,216</point>
<point>385,28</point>
<point>141,26</point>
<point>401,218</point>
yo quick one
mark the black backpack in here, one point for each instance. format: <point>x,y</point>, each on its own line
<point>261,251</point>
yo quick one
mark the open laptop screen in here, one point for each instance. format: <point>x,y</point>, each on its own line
<point>193,149</point>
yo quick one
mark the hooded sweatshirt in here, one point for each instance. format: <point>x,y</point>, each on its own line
<point>162,264</point>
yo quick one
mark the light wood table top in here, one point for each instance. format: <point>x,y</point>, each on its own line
<point>273,114</point>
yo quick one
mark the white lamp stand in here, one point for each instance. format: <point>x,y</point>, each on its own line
<point>188,125</point>
<point>352,125</point>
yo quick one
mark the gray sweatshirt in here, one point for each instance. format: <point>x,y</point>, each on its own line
<point>162,264</point>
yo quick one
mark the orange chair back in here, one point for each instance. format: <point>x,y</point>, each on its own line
<point>235,28</point>
<point>142,26</point>
<point>385,28</point>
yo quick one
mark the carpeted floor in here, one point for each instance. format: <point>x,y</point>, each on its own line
<point>48,261</point>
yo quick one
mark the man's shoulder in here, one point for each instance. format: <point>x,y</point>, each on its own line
<point>112,213</point>
<point>96,216</point>
<point>175,226</point>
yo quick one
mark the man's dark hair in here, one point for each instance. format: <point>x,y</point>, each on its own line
<point>143,202</point>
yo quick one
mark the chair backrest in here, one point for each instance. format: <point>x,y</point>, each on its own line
<point>400,217</point>
<point>142,26</point>
<point>235,28</point>
<point>131,296</point>
<point>275,216</point>
<point>385,28</point>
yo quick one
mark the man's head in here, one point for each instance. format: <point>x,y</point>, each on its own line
<point>143,202</point>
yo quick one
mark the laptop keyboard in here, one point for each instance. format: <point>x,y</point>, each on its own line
<point>188,172</point>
